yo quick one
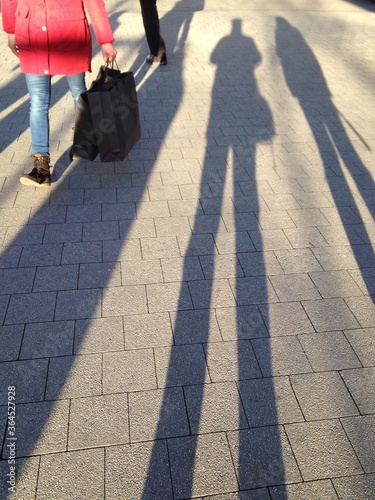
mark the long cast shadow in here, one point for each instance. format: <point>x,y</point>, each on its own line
<point>254,435</point>
<point>306,81</point>
<point>26,305</point>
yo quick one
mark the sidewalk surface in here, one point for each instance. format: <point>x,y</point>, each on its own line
<point>197,321</point>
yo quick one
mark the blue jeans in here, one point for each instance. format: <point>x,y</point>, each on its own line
<point>39,87</point>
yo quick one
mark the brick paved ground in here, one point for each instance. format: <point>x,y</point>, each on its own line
<point>197,320</point>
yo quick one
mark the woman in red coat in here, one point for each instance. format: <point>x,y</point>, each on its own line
<point>52,37</point>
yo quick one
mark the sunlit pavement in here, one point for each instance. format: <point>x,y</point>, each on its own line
<point>196,321</point>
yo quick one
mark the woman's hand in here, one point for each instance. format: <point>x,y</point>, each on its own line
<point>12,44</point>
<point>108,52</point>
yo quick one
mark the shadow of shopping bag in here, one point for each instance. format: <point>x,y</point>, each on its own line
<point>107,119</point>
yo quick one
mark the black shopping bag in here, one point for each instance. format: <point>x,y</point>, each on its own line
<point>107,118</point>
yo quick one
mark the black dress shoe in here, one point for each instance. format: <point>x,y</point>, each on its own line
<point>161,59</point>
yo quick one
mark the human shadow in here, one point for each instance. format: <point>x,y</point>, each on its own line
<point>306,82</point>
<point>46,306</point>
<point>364,4</point>
<point>218,313</point>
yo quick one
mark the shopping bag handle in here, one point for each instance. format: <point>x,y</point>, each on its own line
<point>110,65</point>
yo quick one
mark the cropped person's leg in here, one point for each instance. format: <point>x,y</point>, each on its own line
<point>39,87</point>
<point>154,38</point>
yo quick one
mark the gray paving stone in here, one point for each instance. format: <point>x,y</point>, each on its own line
<point>238,241</point>
<point>294,287</point>
<point>139,228</point>
<point>287,318</point>
<point>94,196</point>
<point>318,490</point>
<point>99,231</point>
<point>180,365</point>
<point>87,181</point>
<point>330,314</point>
<point>335,284</point>
<point>14,216</point>
<point>322,450</point>
<point>308,217</point>
<point>365,279</point>
<point>214,407</point>
<point>25,235</point>
<point>99,335</point>
<point>78,304</point>
<point>67,197</point>
<point>17,280</point>
<point>63,233</point>
<point>54,214</point>
<point>99,275</point>
<point>363,343</point>
<point>329,351</point>
<point>187,326</point>
<point>361,432</point>
<point>298,260</point>
<point>118,250</point>
<point>41,428</point>
<point>127,466</point>
<point>363,309</point>
<point>252,290</point>
<point>147,330</point>
<point>74,377</point>
<point>10,339</point>
<point>151,209</point>
<point>207,460</point>
<point>360,383</point>
<point>179,268</point>
<point>50,339</point>
<point>269,239</point>
<point>197,244</point>
<point>82,252</point>
<point>71,475</point>
<point>119,301</point>
<point>339,235</point>
<point>128,371</point>
<point>54,278</point>
<point>25,308</point>
<point>34,255</point>
<point>280,356</point>
<point>159,248</point>
<point>269,401</point>
<point>355,487</point>
<point>259,263</point>
<point>29,378</point>
<point>27,477</point>
<point>333,258</point>
<point>241,322</point>
<point>323,396</point>
<point>308,237</point>
<point>169,297</point>
<point>266,458</point>
<point>231,361</point>
<point>83,213</point>
<point>10,257</point>
<point>118,211</point>
<point>98,421</point>
<point>157,414</point>
<point>141,272</point>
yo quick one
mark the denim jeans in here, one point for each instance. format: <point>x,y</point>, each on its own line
<point>39,87</point>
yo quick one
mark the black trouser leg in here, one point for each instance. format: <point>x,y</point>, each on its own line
<point>151,24</point>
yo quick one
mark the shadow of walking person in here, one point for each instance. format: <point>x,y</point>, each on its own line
<point>342,164</point>
<point>227,438</point>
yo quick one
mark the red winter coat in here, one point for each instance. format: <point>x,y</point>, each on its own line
<point>53,36</point>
